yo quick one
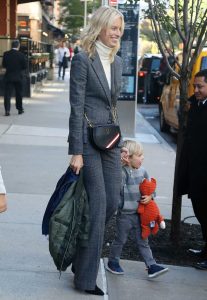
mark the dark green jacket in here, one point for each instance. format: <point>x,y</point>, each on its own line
<point>69,225</point>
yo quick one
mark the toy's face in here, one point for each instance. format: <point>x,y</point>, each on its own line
<point>135,160</point>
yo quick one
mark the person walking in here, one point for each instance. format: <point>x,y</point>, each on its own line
<point>192,172</point>
<point>63,55</point>
<point>95,83</point>
<point>15,63</point>
<point>127,219</point>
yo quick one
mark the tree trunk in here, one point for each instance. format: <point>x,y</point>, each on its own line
<point>177,200</point>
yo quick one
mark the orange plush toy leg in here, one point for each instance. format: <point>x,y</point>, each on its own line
<point>155,229</point>
<point>145,231</point>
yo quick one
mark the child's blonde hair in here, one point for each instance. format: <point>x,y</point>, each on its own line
<point>133,147</point>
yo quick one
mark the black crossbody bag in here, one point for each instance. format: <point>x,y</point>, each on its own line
<point>104,137</point>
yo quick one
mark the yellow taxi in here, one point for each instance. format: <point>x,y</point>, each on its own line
<point>170,99</point>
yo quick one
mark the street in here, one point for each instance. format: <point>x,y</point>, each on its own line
<point>151,113</point>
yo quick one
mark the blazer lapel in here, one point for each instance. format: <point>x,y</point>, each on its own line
<point>117,77</point>
<point>99,70</point>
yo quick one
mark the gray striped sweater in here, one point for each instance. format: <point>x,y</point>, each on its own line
<point>130,195</point>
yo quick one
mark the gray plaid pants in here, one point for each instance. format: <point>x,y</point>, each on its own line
<point>102,180</point>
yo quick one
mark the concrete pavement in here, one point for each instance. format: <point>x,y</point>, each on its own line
<point>33,155</point>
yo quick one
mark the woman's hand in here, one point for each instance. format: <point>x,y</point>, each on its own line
<point>146,199</point>
<point>76,163</point>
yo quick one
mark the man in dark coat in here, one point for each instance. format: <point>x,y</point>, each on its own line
<point>193,168</point>
<point>15,63</point>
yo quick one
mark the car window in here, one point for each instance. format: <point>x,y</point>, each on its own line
<point>155,64</point>
<point>204,63</point>
<point>146,64</point>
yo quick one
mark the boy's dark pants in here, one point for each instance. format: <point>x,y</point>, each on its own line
<point>126,223</point>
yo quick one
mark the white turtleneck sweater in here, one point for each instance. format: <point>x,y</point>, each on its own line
<point>103,52</point>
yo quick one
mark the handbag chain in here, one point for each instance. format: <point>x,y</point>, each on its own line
<point>113,113</point>
<point>88,121</point>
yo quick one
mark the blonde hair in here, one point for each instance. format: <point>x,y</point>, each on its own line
<point>133,147</point>
<point>102,18</point>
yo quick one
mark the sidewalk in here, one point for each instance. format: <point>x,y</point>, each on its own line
<point>33,155</point>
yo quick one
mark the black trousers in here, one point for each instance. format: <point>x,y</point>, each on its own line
<point>200,210</point>
<point>59,70</point>
<point>8,88</point>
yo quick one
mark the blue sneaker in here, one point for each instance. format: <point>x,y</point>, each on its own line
<point>114,267</point>
<point>156,270</point>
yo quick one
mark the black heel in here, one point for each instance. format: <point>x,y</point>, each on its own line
<point>96,291</point>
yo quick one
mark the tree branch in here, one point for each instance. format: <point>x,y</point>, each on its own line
<point>202,38</point>
<point>193,30</point>
<point>177,23</point>
<point>159,39</point>
<point>185,18</point>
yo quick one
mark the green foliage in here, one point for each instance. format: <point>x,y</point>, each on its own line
<point>72,17</point>
<point>146,32</point>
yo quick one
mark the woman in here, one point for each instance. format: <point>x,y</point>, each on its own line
<point>94,80</point>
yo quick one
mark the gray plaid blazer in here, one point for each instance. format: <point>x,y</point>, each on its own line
<point>90,94</point>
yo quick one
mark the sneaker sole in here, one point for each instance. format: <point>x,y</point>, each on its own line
<point>158,273</point>
<point>114,272</point>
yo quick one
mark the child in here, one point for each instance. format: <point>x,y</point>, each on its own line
<point>3,206</point>
<point>127,217</point>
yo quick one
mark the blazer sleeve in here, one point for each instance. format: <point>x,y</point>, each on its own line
<point>78,80</point>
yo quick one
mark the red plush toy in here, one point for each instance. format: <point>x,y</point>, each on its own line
<point>150,216</point>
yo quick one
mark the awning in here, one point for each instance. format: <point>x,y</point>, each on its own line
<point>25,1</point>
<point>47,2</point>
<point>56,31</point>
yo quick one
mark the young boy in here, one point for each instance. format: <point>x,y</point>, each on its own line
<point>127,217</point>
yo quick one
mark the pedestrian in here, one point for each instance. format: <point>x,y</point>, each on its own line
<point>192,171</point>
<point>15,64</point>
<point>71,52</point>
<point>63,56</point>
<point>95,83</point>
<point>127,218</point>
<point>3,205</point>
<point>77,47</point>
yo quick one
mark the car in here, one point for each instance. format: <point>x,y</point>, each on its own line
<point>170,99</point>
<point>148,89</point>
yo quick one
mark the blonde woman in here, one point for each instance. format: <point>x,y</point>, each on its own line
<point>3,206</point>
<point>95,83</point>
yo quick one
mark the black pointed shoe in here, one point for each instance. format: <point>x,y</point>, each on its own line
<point>97,291</point>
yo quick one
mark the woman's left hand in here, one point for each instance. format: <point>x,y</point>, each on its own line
<point>146,199</point>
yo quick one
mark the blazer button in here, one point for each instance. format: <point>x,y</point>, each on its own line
<point>108,107</point>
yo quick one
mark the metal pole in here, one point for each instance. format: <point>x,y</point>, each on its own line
<point>105,2</point>
<point>85,13</point>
